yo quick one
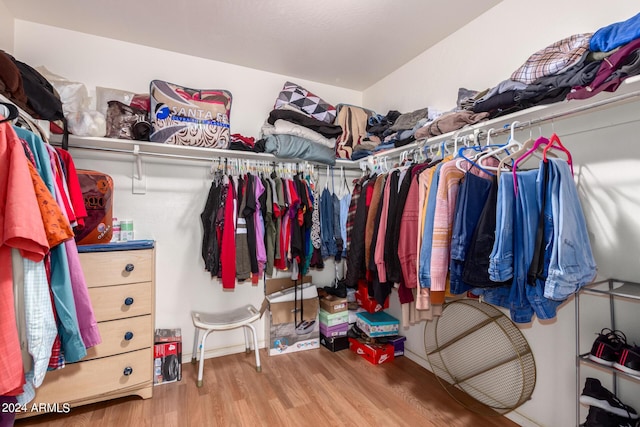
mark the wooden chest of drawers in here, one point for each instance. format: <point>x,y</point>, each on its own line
<point>121,286</point>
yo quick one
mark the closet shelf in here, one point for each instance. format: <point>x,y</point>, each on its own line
<point>614,287</point>
<point>145,148</point>
<point>629,91</point>
<point>584,358</point>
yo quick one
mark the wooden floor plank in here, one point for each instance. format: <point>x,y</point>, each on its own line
<point>309,388</point>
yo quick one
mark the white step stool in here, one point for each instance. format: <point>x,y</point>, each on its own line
<point>209,322</point>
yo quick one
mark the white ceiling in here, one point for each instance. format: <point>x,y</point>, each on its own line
<point>345,43</point>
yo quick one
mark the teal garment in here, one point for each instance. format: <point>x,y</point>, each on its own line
<point>73,347</point>
<point>427,235</point>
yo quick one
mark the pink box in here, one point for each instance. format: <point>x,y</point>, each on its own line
<point>339,330</point>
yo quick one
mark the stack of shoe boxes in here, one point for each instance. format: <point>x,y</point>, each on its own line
<point>366,302</point>
<point>334,323</point>
<point>378,328</point>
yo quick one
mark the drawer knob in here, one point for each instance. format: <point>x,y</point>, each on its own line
<point>128,336</point>
<point>128,371</point>
<point>128,301</point>
<point>129,268</point>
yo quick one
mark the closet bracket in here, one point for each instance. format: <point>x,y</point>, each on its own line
<point>138,178</point>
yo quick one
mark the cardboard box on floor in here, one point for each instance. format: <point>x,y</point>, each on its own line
<point>292,324</point>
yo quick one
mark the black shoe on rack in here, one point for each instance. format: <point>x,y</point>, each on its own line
<point>607,347</point>
<point>629,360</point>
<point>594,394</point>
<point>598,417</point>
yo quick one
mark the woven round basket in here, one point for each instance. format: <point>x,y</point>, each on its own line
<point>480,357</point>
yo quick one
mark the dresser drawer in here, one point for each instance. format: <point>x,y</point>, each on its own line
<point>118,302</point>
<point>117,267</point>
<point>76,381</point>
<point>120,336</point>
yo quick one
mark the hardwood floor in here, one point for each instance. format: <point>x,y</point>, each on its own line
<point>309,388</point>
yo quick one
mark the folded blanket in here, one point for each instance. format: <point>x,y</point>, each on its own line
<point>294,147</point>
<point>409,120</point>
<point>325,129</point>
<point>283,127</point>
<point>449,123</point>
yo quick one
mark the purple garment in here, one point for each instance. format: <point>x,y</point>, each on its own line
<point>607,68</point>
<point>7,418</point>
<point>261,252</point>
<point>84,310</point>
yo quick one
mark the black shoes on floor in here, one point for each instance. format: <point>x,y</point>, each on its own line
<point>606,410</point>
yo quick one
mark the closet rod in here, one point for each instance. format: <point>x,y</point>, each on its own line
<point>572,112</point>
<point>262,157</point>
<point>395,152</point>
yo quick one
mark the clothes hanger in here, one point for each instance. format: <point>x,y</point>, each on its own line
<point>536,145</point>
<point>515,155</point>
<point>554,142</point>
<point>475,161</point>
<point>512,144</point>
<point>455,142</point>
<point>12,112</point>
<point>344,190</point>
<point>326,183</point>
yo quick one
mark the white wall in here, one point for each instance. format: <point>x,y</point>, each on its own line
<point>6,28</point>
<point>484,53</point>
<point>98,61</point>
<point>488,50</point>
<point>175,190</point>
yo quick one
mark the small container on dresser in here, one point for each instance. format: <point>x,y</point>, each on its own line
<point>121,286</point>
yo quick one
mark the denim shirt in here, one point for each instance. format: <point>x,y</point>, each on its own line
<point>572,264</point>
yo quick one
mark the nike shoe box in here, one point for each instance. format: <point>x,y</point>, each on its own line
<point>376,354</point>
<point>167,356</point>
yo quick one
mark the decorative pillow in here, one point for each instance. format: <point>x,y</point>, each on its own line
<point>305,101</point>
<point>194,117</point>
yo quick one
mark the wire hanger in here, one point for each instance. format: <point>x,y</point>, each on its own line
<point>344,190</point>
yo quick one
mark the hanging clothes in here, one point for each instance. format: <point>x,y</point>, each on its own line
<point>243,265</point>
<point>228,255</point>
<point>72,346</point>
<point>271,201</point>
<point>326,224</point>
<point>20,208</point>
<point>261,254</point>
<point>472,197</point>
<point>208,217</point>
<point>356,232</point>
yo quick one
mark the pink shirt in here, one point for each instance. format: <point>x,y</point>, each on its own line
<point>448,186</point>
<point>378,255</point>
